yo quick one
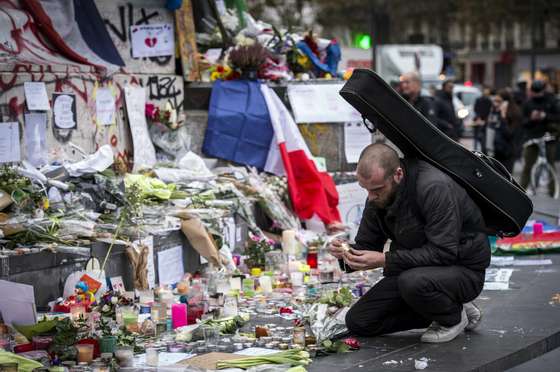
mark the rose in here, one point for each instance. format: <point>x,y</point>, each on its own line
<point>352,343</point>
<point>150,110</point>
<point>114,300</point>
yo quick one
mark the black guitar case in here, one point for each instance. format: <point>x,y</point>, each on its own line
<point>503,203</point>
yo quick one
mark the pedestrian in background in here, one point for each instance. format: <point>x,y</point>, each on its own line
<point>482,108</point>
<point>445,111</point>
<point>411,90</point>
<point>503,129</point>
<point>541,115</point>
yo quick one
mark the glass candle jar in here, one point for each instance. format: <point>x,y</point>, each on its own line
<point>85,353</point>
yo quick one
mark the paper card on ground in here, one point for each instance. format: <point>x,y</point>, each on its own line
<point>17,303</point>
<point>144,151</point>
<point>64,110</point>
<point>152,40</point>
<point>105,106</point>
<point>149,242</point>
<point>356,138</point>
<point>36,96</point>
<point>9,143</point>
<point>170,265</point>
<point>35,138</point>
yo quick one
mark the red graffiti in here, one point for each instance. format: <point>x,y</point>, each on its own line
<point>15,107</point>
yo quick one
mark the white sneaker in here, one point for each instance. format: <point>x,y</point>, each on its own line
<point>437,333</point>
<point>474,315</point>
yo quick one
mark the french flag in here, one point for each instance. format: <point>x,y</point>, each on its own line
<point>312,192</point>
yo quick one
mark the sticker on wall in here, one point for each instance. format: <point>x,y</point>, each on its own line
<point>64,110</point>
<point>153,40</point>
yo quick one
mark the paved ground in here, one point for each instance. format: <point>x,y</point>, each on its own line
<point>519,324</point>
<point>520,327</point>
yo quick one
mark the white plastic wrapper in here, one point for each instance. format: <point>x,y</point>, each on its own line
<point>97,162</point>
<point>326,325</point>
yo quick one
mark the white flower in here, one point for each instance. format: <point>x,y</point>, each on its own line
<point>105,308</point>
<point>114,300</point>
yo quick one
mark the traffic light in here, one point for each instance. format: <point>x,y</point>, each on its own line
<point>362,41</point>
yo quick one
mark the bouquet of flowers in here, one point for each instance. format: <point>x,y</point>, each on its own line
<point>255,250</point>
<point>166,119</point>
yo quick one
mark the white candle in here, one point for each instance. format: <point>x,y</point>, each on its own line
<point>297,278</point>
<point>266,284</point>
<point>152,357</point>
<point>289,242</point>
<point>235,283</point>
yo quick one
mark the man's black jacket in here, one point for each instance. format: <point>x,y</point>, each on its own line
<point>432,222</point>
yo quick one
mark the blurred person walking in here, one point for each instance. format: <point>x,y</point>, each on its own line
<point>541,115</point>
<point>482,108</point>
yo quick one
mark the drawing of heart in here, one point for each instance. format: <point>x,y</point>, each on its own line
<point>150,42</point>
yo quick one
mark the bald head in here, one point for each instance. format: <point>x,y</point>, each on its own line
<point>377,156</point>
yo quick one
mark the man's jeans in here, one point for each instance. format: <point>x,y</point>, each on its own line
<point>414,299</point>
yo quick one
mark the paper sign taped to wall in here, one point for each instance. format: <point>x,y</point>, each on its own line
<point>64,110</point>
<point>9,143</point>
<point>105,106</point>
<point>36,96</point>
<point>152,40</point>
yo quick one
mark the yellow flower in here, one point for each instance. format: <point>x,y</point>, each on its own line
<point>214,76</point>
<point>45,203</point>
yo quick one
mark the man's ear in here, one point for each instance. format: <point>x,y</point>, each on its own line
<point>399,174</point>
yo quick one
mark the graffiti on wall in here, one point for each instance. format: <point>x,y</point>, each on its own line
<point>120,15</point>
<point>89,136</point>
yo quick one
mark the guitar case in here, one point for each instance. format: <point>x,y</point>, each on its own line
<point>503,203</point>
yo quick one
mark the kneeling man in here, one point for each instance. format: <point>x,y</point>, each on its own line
<point>438,255</point>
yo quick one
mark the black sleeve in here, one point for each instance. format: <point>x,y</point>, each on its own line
<point>443,217</point>
<point>370,236</point>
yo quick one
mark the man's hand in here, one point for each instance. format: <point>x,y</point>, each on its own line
<point>364,260</point>
<point>336,248</point>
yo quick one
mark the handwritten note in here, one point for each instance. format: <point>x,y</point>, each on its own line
<point>144,151</point>
<point>36,96</point>
<point>152,40</point>
<point>35,139</point>
<point>9,143</point>
<point>356,137</point>
<point>170,265</point>
<point>105,106</point>
<point>64,110</point>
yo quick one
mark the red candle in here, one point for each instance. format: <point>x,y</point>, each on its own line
<point>312,259</point>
